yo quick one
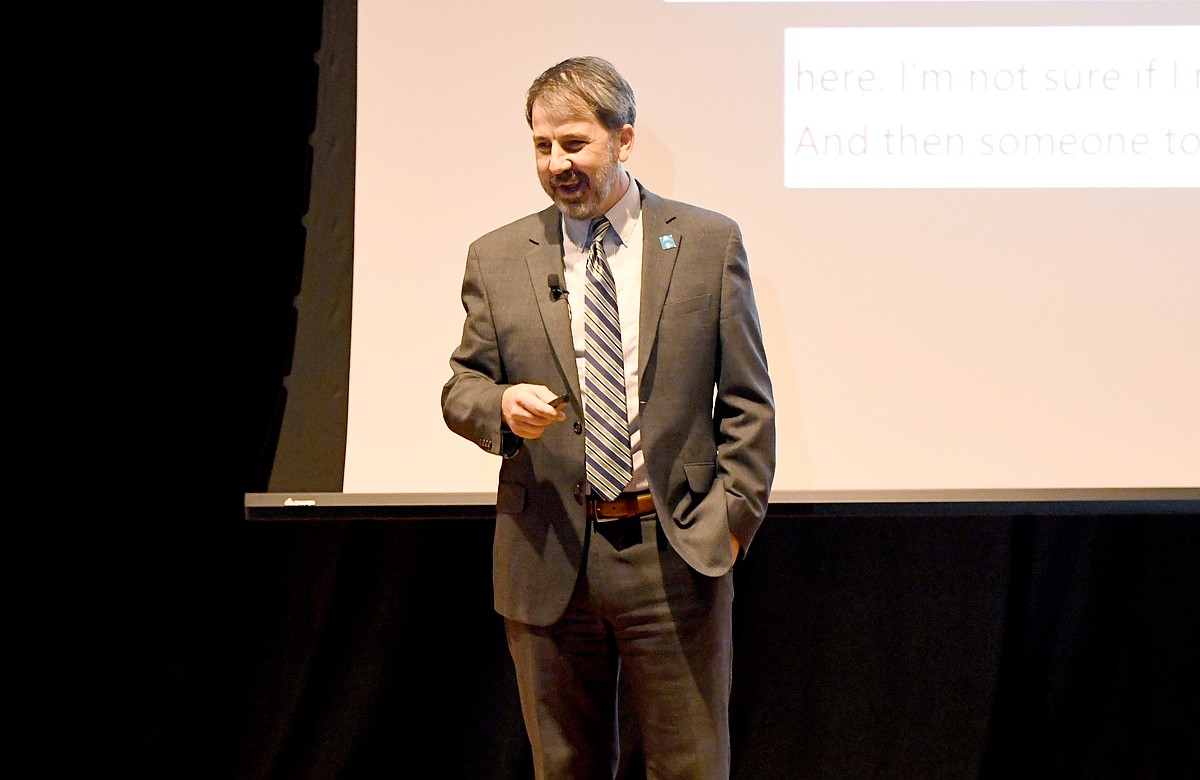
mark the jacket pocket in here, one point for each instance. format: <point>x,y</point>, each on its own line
<point>687,306</point>
<point>700,476</point>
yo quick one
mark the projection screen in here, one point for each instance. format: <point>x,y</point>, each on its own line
<point>973,229</point>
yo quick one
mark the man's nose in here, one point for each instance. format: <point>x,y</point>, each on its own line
<point>559,161</point>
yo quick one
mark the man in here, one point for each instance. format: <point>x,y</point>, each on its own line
<point>615,539</point>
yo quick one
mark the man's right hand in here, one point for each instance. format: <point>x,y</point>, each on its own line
<point>527,411</point>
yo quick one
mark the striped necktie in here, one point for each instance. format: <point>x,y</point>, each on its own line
<point>608,459</point>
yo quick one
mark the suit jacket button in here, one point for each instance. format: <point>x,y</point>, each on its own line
<point>578,427</point>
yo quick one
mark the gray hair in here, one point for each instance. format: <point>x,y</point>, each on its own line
<point>587,82</point>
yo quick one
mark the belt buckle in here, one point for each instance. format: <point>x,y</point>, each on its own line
<point>595,504</point>
<point>628,508</point>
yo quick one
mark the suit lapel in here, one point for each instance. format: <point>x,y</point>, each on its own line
<point>545,257</point>
<point>658,263</point>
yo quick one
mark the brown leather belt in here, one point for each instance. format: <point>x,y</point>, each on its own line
<point>621,507</point>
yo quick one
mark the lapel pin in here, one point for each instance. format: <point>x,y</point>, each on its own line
<point>666,242</point>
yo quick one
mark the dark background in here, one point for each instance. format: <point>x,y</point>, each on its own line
<point>927,641</point>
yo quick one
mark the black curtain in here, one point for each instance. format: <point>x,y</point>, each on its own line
<point>871,642</point>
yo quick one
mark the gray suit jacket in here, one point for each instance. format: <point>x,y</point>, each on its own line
<point>710,459</point>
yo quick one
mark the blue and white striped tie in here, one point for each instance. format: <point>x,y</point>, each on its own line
<point>606,445</point>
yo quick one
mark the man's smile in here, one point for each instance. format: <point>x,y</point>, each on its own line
<point>570,184</point>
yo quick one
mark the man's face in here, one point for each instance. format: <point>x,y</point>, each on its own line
<point>578,160</point>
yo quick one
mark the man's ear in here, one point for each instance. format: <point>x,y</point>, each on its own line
<point>624,142</point>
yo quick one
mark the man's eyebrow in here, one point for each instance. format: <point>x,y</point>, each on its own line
<point>564,138</point>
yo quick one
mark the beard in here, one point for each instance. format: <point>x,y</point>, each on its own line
<point>588,202</point>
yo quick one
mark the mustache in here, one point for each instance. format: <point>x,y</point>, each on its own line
<point>566,179</point>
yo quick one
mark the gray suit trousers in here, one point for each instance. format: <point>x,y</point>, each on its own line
<point>642,622</point>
